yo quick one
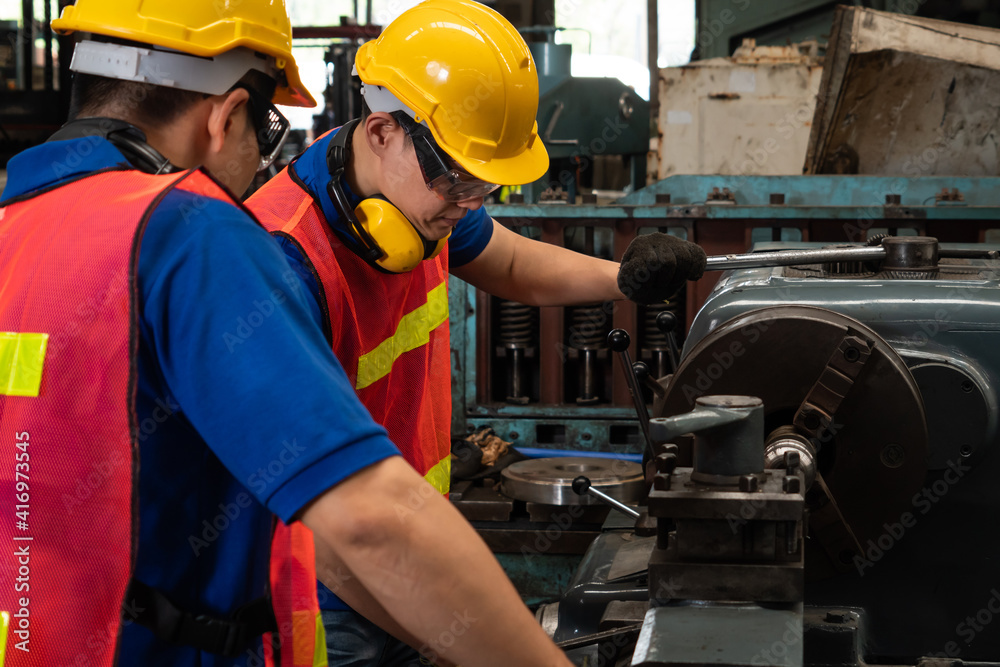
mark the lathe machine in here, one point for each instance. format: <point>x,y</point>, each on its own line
<point>820,471</point>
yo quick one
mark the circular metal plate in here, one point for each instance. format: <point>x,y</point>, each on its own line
<point>874,458</point>
<point>550,481</point>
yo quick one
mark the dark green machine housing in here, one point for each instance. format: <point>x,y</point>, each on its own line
<point>584,120</point>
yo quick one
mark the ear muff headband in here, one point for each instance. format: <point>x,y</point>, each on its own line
<point>127,138</point>
<point>387,239</point>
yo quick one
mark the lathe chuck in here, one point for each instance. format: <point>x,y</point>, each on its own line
<point>872,454</point>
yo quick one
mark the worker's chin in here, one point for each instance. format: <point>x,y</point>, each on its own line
<point>439,229</point>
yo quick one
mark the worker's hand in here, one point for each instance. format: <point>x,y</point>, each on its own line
<point>655,266</point>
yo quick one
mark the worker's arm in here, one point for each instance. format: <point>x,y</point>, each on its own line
<point>424,564</point>
<point>539,274</point>
<point>511,266</point>
<point>336,576</point>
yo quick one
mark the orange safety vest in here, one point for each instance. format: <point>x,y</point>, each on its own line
<point>389,331</point>
<point>69,339</point>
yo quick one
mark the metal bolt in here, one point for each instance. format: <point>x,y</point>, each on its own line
<point>666,463</point>
<point>791,484</point>
<point>661,482</point>
<point>585,436</point>
<point>892,456</point>
<point>792,461</point>
<point>852,354</point>
<point>514,435</point>
<point>748,483</point>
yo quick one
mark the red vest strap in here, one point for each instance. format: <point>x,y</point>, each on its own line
<point>302,641</point>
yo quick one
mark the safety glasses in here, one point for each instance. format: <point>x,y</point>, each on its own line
<point>272,128</point>
<point>445,180</point>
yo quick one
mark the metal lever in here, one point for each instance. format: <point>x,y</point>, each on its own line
<point>618,340</point>
<point>641,371</point>
<point>582,486</point>
<point>755,260</point>
<point>667,323</point>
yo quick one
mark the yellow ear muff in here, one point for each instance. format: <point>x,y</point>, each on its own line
<point>403,246</point>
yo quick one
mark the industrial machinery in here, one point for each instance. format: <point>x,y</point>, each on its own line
<point>821,469</point>
<point>819,461</point>
<point>595,129</point>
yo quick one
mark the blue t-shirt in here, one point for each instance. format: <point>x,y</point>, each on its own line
<point>243,410</point>
<point>467,241</point>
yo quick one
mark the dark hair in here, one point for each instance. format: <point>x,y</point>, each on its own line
<point>144,103</point>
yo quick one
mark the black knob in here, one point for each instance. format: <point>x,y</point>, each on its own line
<point>618,340</point>
<point>641,371</point>
<point>666,322</point>
<point>580,485</point>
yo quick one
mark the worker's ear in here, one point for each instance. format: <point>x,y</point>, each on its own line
<point>387,141</point>
<point>378,130</point>
<point>227,115</point>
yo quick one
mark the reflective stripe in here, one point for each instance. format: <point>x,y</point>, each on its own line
<point>414,330</point>
<point>320,654</point>
<point>22,356</point>
<point>440,475</point>
<point>4,624</point>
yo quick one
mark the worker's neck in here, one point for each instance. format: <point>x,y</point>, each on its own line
<point>179,141</point>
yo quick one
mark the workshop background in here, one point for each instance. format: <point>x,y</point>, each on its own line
<point>817,417</point>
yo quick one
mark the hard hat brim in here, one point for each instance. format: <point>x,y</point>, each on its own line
<point>526,167</point>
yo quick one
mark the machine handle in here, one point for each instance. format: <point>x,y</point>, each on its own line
<point>699,419</point>
<point>667,323</point>
<point>755,260</point>
<point>618,340</point>
<point>582,486</point>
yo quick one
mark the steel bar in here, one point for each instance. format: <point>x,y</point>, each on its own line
<point>620,506</point>
<point>790,257</point>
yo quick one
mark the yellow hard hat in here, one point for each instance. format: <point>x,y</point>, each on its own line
<point>466,72</point>
<point>197,27</point>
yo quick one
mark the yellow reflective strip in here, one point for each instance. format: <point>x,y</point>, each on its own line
<point>4,624</point>
<point>440,475</point>
<point>22,356</point>
<point>414,330</point>
<point>319,656</point>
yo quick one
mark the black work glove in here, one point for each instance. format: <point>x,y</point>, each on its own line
<point>656,265</point>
